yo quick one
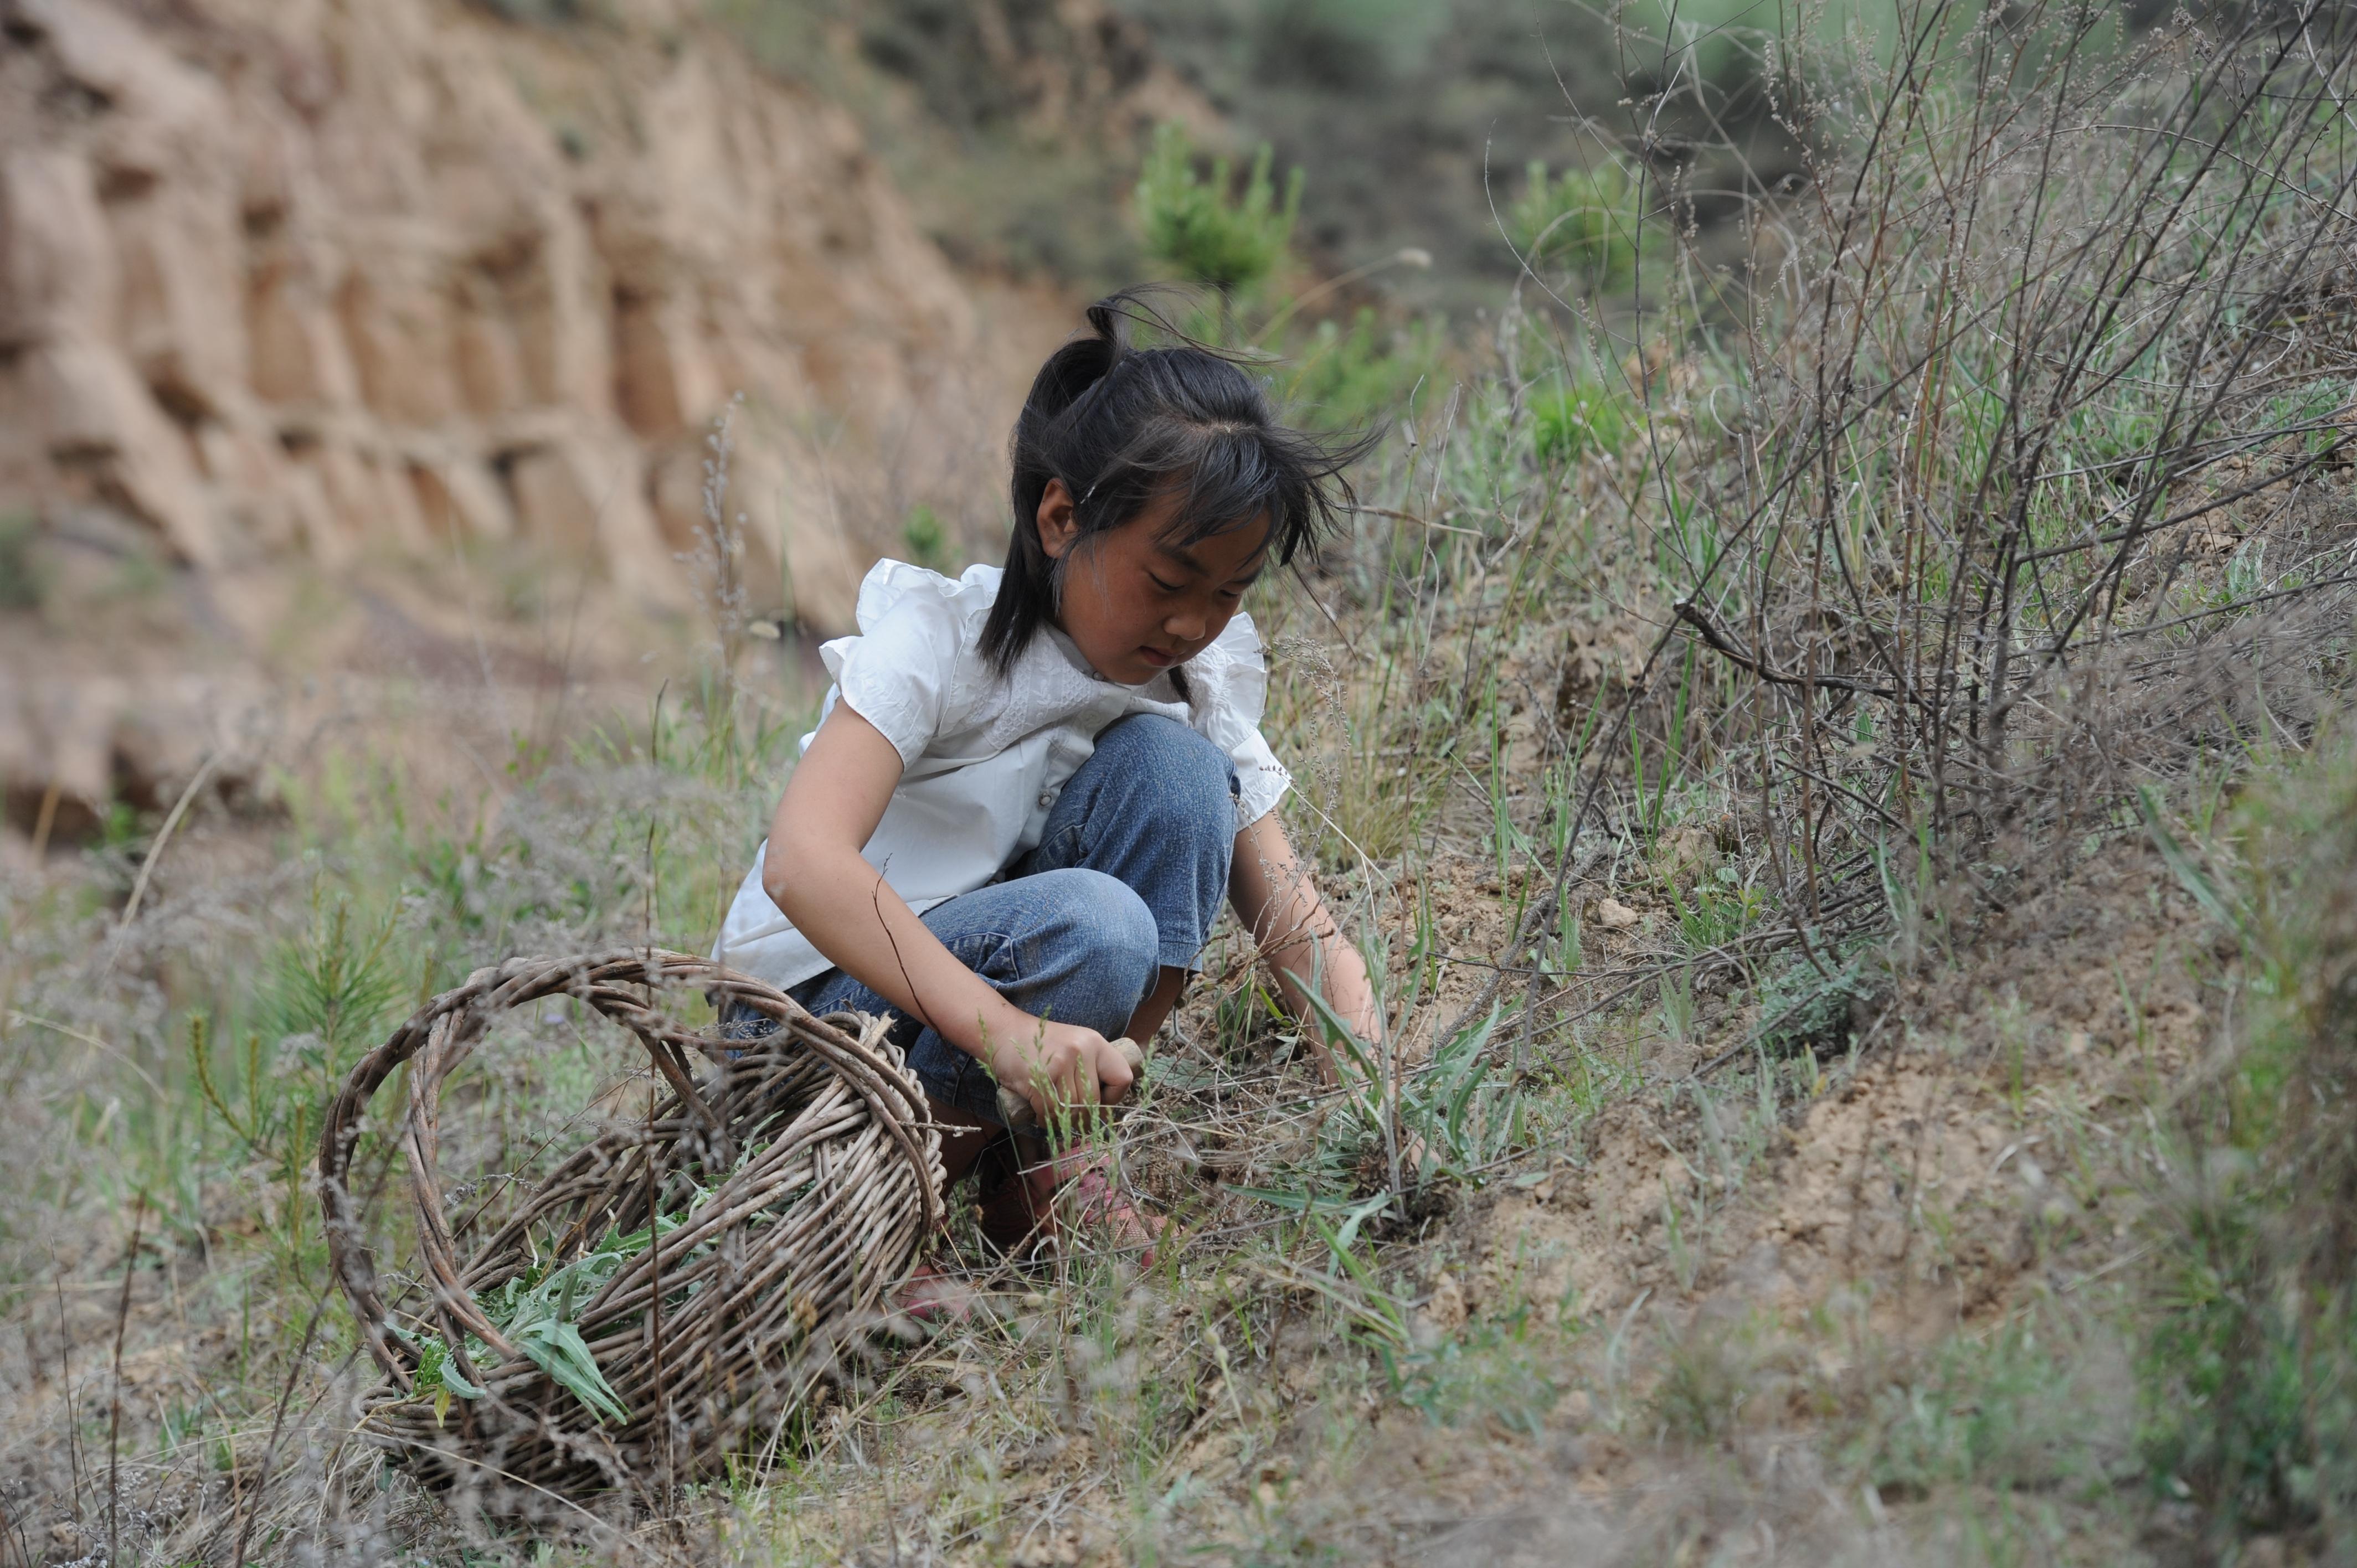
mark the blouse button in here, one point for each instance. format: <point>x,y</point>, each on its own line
<point>1046,798</point>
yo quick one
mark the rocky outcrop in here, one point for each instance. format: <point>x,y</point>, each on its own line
<point>349,315</point>
<point>348,277</point>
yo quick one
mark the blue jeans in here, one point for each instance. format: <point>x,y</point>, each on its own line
<point>1126,881</point>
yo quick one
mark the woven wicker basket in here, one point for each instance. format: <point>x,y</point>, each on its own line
<point>794,1179</point>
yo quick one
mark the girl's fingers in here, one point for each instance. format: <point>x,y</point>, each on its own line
<point>1074,1081</point>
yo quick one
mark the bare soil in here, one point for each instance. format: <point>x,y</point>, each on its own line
<point>1970,1160</point>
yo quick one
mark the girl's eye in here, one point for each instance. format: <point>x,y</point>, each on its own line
<point>1165,587</point>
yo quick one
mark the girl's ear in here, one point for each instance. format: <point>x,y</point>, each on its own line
<point>1059,519</point>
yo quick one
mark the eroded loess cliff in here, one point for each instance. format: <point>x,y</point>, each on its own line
<point>321,285</point>
<point>298,276</point>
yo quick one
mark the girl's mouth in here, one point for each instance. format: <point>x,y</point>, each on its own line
<point>1156,658</point>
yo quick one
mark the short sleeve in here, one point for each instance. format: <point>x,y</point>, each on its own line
<point>898,673</point>
<point>1227,686</point>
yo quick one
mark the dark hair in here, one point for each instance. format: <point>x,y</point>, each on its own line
<point>1119,423</point>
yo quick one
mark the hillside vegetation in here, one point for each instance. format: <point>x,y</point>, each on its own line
<point>1829,726</point>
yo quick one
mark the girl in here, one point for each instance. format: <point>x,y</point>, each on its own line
<point>1030,788</point>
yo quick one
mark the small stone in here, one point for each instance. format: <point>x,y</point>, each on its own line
<point>1446,1308</point>
<point>1614,916</point>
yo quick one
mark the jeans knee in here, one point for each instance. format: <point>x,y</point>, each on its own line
<point>1106,922</point>
<point>1177,778</point>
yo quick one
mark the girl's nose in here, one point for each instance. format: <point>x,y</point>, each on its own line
<point>1186,624</point>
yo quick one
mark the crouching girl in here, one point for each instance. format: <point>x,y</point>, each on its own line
<point>1031,787</point>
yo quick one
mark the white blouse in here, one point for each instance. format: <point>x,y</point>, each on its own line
<point>985,756</point>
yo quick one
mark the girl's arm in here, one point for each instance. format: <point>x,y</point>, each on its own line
<point>1276,900</point>
<point>814,872</point>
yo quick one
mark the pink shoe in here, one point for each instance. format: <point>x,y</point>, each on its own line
<point>931,1297</point>
<point>1090,1197</point>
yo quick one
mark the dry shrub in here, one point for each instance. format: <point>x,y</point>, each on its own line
<point>2033,486</point>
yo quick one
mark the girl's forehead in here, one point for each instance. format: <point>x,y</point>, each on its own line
<point>1224,551</point>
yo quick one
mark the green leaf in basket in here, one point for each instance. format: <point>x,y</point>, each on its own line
<point>557,1348</point>
<point>437,1376</point>
<point>451,1380</point>
<point>536,1312</point>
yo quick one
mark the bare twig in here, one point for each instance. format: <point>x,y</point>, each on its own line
<point>114,1413</point>
<point>163,837</point>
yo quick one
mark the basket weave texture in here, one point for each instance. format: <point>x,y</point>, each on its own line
<point>795,1178</point>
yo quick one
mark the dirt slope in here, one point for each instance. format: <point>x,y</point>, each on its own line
<point>1754,1274</point>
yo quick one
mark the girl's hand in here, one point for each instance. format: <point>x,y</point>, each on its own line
<point>815,873</point>
<point>1060,1065</point>
<point>1274,895</point>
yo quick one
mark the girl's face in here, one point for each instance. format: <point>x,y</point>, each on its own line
<point>1136,602</point>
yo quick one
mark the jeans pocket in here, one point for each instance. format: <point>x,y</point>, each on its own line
<point>1059,850</point>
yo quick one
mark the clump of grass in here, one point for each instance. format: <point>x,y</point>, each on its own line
<point>2249,1359</point>
<point>1343,376</point>
<point>2018,1407</point>
<point>1709,1374</point>
<point>1581,220</point>
<point>927,540</point>
<point>1567,425</point>
<point>1498,1370</point>
<point>1807,1006</point>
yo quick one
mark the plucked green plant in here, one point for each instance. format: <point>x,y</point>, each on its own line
<point>536,1311</point>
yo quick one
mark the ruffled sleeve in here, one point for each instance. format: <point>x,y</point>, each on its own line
<point>898,673</point>
<point>1227,687</point>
